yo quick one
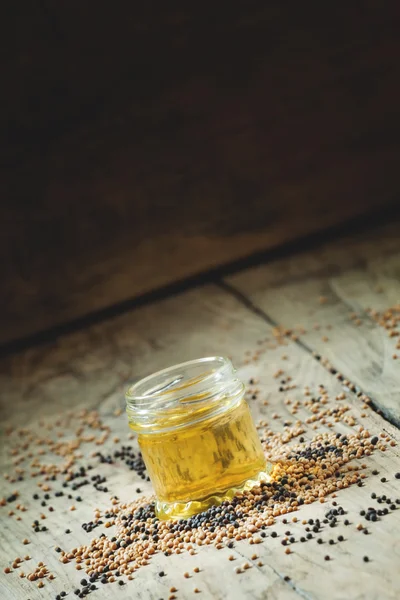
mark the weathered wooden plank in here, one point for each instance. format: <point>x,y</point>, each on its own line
<point>162,156</point>
<point>92,367</point>
<point>328,293</point>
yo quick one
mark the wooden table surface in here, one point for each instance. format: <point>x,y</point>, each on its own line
<point>328,302</point>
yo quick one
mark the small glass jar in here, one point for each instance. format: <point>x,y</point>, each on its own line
<point>196,435</point>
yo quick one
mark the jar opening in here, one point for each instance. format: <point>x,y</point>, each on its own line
<point>182,394</point>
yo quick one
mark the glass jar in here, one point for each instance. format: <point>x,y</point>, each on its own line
<point>196,434</point>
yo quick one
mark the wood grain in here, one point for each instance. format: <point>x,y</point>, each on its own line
<point>349,276</point>
<point>91,369</point>
<point>159,155</point>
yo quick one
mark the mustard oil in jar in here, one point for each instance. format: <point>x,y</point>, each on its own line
<point>196,435</point>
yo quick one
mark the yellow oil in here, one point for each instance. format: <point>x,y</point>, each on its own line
<point>204,463</point>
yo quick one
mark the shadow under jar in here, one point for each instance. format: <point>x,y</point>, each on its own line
<point>197,436</point>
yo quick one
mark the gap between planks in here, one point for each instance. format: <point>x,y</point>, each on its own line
<point>248,303</point>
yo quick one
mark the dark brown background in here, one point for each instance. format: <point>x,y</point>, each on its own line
<point>142,145</point>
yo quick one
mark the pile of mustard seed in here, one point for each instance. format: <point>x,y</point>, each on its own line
<point>303,473</point>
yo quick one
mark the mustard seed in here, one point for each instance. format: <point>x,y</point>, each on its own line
<point>320,463</point>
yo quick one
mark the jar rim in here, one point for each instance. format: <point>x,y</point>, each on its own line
<point>132,392</point>
<point>182,394</point>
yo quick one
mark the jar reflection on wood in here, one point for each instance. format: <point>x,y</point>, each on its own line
<point>196,435</point>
